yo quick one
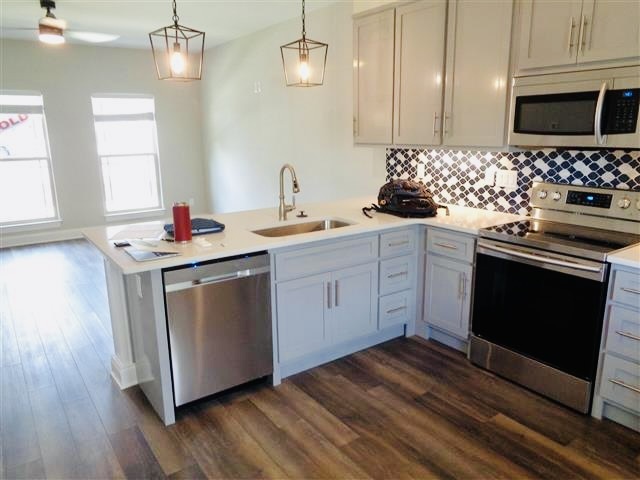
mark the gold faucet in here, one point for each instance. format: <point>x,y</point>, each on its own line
<point>283,209</point>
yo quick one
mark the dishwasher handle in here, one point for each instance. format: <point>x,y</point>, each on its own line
<point>176,287</point>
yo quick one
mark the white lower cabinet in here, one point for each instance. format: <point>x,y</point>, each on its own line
<point>447,298</point>
<point>353,307</point>
<point>322,310</point>
<point>302,315</point>
<point>617,392</point>
<point>448,276</point>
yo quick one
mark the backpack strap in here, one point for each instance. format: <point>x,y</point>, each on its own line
<point>373,207</point>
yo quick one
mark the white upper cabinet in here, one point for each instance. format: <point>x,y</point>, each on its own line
<point>373,38</point>
<point>569,32</point>
<point>419,62</point>
<point>611,30</point>
<point>479,40</point>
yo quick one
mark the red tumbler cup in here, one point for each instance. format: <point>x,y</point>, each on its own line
<point>181,222</point>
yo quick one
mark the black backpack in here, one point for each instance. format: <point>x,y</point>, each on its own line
<point>405,198</point>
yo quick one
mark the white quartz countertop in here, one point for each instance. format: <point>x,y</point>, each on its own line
<point>629,257</point>
<point>238,239</point>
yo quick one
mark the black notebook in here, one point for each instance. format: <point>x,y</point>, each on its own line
<point>199,226</point>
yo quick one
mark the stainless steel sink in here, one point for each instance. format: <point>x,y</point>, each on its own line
<point>306,227</point>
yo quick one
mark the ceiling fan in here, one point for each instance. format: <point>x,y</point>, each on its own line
<point>52,30</point>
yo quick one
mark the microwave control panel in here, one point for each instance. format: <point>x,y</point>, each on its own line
<point>621,111</point>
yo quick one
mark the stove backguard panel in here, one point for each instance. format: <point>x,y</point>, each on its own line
<point>458,177</point>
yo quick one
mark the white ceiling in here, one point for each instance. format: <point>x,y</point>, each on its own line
<point>133,19</point>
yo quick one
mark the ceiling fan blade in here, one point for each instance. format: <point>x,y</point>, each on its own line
<point>91,37</point>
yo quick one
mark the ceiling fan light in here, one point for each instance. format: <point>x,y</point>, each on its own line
<point>50,35</point>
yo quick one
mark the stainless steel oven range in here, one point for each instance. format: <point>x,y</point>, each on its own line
<point>540,288</point>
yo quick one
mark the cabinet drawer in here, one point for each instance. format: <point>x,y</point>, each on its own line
<point>396,308</point>
<point>621,382</point>
<point>327,257</point>
<point>397,274</point>
<point>626,288</point>
<point>398,243</point>
<point>450,245</point>
<point>623,335</point>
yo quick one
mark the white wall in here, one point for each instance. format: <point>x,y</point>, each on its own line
<point>248,135</point>
<point>67,77</point>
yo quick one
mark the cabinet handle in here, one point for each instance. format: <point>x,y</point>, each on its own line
<point>435,123</point>
<point>335,302</point>
<point>399,274</point>
<point>630,290</point>
<point>583,23</point>
<point>571,27</point>
<point>464,285</point>
<point>398,244</point>
<point>355,127</point>
<point>447,245</point>
<point>628,335</point>
<point>394,310</point>
<point>444,123</point>
<point>461,285</point>
<point>625,385</point>
<point>328,295</point>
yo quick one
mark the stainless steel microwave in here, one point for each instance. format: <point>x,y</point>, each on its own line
<point>589,109</point>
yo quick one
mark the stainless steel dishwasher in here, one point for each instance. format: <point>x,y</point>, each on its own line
<point>219,319</point>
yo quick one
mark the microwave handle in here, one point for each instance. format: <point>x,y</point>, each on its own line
<point>600,138</point>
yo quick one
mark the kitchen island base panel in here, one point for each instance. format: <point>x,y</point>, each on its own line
<point>309,361</point>
<point>428,332</point>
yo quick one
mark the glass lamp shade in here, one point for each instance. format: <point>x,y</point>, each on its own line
<point>178,52</point>
<point>304,62</point>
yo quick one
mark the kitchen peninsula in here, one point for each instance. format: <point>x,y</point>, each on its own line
<point>136,293</point>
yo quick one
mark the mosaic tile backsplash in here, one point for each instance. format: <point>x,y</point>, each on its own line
<point>458,177</point>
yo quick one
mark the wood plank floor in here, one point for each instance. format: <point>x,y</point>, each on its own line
<point>405,409</point>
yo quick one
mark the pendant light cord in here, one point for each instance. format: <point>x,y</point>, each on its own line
<point>304,29</point>
<point>175,12</point>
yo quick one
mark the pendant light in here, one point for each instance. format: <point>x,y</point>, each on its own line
<point>177,51</point>
<point>304,60</point>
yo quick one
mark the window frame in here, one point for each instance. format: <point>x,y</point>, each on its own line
<point>97,118</point>
<point>56,218</point>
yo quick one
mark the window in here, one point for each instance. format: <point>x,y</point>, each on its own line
<point>127,147</point>
<point>27,193</point>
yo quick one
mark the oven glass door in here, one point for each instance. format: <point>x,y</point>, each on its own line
<point>552,317</point>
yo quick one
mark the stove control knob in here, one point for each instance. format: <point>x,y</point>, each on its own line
<point>557,196</point>
<point>542,194</point>
<point>624,203</point>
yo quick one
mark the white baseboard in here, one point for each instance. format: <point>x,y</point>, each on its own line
<point>30,238</point>
<point>123,374</point>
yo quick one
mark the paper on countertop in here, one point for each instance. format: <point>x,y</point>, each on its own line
<point>138,232</point>
<point>152,246</point>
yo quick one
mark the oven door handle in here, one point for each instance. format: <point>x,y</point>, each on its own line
<point>542,258</point>
<point>597,122</point>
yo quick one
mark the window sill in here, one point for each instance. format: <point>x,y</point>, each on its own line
<point>118,217</point>
<point>26,227</point>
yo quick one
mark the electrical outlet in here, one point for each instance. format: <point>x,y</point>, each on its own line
<point>421,172</point>
<point>507,179</point>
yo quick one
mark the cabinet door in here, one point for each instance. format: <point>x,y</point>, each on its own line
<point>549,32</point>
<point>373,78</point>
<point>479,38</point>
<point>610,30</point>
<point>447,295</point>
<point>419,64</point>
<point>354,310</point>
<point>302,316</point>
